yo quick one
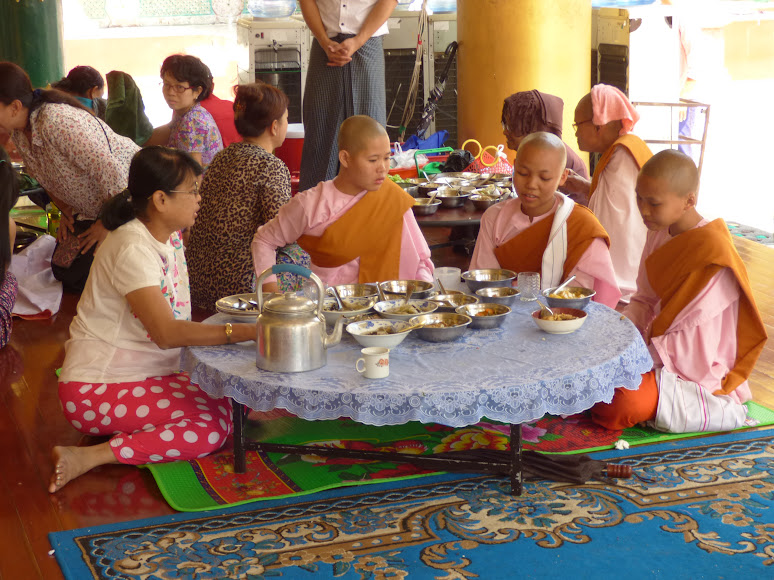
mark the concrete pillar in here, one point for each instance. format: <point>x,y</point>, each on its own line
<point>507,46</point>
<point>31,36</point>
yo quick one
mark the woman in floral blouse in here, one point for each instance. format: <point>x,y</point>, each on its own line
<point>121,374</point>
<point>75,156</point>
<point>185,82</point>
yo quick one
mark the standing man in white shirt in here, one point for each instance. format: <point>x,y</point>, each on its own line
<point>345,77</point>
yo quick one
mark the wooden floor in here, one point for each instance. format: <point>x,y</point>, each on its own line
<point>31,422</point>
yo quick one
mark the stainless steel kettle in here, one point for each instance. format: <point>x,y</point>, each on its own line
<point>292,336</point>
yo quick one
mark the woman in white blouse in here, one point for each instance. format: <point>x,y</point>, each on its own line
<point>75,157</point>
<point>121,370</point>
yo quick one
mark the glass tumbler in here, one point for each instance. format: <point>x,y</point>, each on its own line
<point>529,285</point>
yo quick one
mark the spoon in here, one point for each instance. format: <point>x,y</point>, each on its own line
<point>409,291</point>
<point>440,285</point>
<point>382,297</point>
<point>339,305</point>
<point>564,284</point>
<point>544,309</point>
<point>432,197</point>
<point>413,327</point>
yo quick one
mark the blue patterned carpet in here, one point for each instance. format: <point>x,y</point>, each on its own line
<point>701,508</point>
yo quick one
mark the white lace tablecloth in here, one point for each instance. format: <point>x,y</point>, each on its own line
<point>514,374</point>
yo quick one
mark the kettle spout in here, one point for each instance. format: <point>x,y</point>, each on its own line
<point>335,337</point>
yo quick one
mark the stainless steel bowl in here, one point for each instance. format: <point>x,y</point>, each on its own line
<point>422,290</point>
<point>577,303</point>
<point>451,196</point>
<point>356,307</point>
<point>492,177</point>
<point>482,203</point>
<point>445,334</point>
<point>456,300</point>
<point>428,188</point>
<point>355,290</point>
<point>506,295</point>
<point>422,306</point>
<point>488,277</point>
<point>422,206</point>
<point>485,320</point>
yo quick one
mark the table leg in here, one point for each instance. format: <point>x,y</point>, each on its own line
<point>516,471</point>
<point>239,436</point>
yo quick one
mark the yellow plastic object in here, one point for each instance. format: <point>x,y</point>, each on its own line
<point>489,159</point>
<point>477,155</point>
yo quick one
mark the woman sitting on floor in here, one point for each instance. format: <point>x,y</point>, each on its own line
<point>244,187</point>
<point>9,192</point>
<point>121,376</point>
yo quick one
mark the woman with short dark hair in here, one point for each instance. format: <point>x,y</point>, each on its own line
<point>243,188</point>
<point>185,82</point>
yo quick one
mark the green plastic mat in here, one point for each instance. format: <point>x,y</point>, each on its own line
<point>211,482</point>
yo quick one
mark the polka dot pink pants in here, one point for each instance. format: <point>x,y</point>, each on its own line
<point>156,420</point>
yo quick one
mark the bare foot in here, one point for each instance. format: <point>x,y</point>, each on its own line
<point>67,466</point>
<point>70,462</point>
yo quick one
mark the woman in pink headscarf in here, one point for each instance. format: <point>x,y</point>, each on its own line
<point>604,119</point>
<point>532,111</point>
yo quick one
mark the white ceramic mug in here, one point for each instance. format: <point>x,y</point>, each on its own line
<point>449,277</point>
<point>375,361</point>
<point>529,285</point>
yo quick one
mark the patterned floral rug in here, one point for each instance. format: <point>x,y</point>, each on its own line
<point>210,482</point>
<point>695,508</point>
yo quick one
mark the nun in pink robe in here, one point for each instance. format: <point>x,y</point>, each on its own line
<point>311,212</point>
<point>695,353</point>
<point>503,221</point>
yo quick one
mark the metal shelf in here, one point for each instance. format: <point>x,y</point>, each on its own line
<point>681,139</point>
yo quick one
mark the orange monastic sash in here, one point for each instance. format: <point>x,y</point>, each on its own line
<point>682,267</point>
<point>371,230</point>
<point>524,251</point>
<point>633,144</point>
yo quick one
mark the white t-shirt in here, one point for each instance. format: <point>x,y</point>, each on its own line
<point>108,343</point>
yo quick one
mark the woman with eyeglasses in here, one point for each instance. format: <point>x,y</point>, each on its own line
<point>533,111</point>
<point>121,374</point>
<point>185,82</point>
<point>75,157</point>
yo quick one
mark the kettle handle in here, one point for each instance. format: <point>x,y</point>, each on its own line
<point>292,269</point>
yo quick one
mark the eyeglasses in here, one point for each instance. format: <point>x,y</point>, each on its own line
<point>576,125</point>
<point>177,89</point>
<point>194,191</point>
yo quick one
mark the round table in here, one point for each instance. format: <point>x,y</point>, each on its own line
<point>514,374</point>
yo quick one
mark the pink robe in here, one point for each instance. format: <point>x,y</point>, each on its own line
<point>311,212</point>
<point>614,202</point>
<point>700,344</point>
<point>504,220</point>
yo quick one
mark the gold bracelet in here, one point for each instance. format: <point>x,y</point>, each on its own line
<point>229,330</point>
